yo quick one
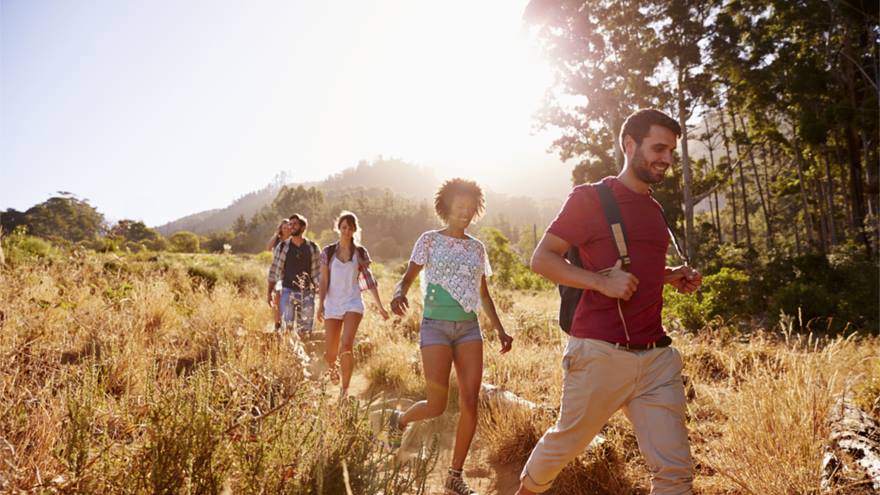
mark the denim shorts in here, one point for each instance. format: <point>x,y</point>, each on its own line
<point>451,333</point>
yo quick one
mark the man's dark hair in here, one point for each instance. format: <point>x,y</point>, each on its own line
<point>301,219</point>
<point>639,123</point>
<point>455,187</point>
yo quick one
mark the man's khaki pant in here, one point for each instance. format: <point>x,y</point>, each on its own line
<point>599,380</point>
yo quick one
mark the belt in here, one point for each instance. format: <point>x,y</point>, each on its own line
<point>664,341</point>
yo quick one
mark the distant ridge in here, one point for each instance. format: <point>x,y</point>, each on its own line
<point>403,178</point>
<point>222,218</point>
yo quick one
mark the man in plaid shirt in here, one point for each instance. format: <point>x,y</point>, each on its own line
<point>296,263</point>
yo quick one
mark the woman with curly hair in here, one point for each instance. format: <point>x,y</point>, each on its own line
<point>454,289</point>
<point>345,272</point>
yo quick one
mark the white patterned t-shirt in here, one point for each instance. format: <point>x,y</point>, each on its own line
<point>457,265</point>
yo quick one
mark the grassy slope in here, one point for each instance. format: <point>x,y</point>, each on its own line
<point>131,375</point>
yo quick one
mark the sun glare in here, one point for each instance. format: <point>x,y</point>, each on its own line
<point>451,85</point>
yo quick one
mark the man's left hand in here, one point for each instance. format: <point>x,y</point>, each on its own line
<point>684,278</point>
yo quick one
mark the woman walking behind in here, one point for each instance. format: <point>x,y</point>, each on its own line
<point>345,272</point>
<point>453,287</point>
<point>281,235</point>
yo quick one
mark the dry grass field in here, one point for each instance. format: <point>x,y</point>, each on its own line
<point>154,373</point>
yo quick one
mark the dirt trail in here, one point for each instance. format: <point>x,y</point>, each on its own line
<point>485,478</point>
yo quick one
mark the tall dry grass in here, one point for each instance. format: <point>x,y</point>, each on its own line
<point>153,374</point>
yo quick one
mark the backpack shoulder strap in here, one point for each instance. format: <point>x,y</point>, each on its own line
<point>331,250</point>
<point>615,221</point>
<point>681,254</point>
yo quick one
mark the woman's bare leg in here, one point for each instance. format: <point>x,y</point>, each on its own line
<point>350,324</point>
<point>468,359</point>
<point>436,363</point>
<point>332,332</point>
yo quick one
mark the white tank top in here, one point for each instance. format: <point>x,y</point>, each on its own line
<point>343,280</point>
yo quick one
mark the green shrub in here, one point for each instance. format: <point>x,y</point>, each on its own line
<point>184,242</point>
<point>684,310</point>
<point>726,294</point>
<point>19,247</point>
<point>509,270</point>
<point>842,285</point>
<point>806,299</point>
<point>729,294</point>
<point>265,257</point>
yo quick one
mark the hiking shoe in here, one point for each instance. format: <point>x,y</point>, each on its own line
<point>395,432</point>
<point>455,484</point>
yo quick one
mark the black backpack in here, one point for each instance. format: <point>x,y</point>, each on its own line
<point>569,297</point>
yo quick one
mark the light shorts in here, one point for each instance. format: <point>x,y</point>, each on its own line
<point>451,333</point>
<point>336,310</point>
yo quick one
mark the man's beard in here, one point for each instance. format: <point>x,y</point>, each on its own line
<point>643,169</point>
<point>296,231</point>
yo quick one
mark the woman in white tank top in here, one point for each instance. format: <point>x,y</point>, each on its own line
<point>345,272</point>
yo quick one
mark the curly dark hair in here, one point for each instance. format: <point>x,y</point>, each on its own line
<point>456,187</point>
<point>639,123</point>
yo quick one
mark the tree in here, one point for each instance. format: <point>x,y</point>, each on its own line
<point>12,218</point>
<point>681,38</point>
<point>64,217</point>
<point>240,225</point>
<point>184,242</point>
<point>134,231</point>
<point>290,200</point>
<point>604,59</point>
<point>217,241</point>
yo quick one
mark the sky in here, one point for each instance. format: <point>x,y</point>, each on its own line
<point>155,110</point>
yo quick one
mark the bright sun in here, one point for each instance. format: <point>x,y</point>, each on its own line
<point>451,82</point>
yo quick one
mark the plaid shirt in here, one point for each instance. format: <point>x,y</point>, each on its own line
<point>279,258</point>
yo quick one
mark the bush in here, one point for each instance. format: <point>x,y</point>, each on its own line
<point>19,247</point>
<point>729,294</point>
<point>265,257</point>
<point>806,299</point>
<point>687,310</point>
<point>726,294</point>
<point>843,285</point>
<point>157,244</point>
<point>184,242</point>
<point>509,270</point>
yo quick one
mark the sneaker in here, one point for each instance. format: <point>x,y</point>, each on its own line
<point>277,326</point>
<point>456,485</point>
<point>395,432</point>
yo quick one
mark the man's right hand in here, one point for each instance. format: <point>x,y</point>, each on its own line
<point>617,283</point>
<point>271,300</point>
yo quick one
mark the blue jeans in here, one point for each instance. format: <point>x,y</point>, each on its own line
<point>298,309</point>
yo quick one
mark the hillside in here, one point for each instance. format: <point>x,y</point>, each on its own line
<point>222,218</point>
<point>406,181</point>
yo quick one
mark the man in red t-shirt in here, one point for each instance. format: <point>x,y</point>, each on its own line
<point>618,355</point>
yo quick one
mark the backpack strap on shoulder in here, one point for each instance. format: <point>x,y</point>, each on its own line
<point>615,222</point>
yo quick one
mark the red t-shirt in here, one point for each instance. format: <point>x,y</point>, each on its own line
<point>582,223</point>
